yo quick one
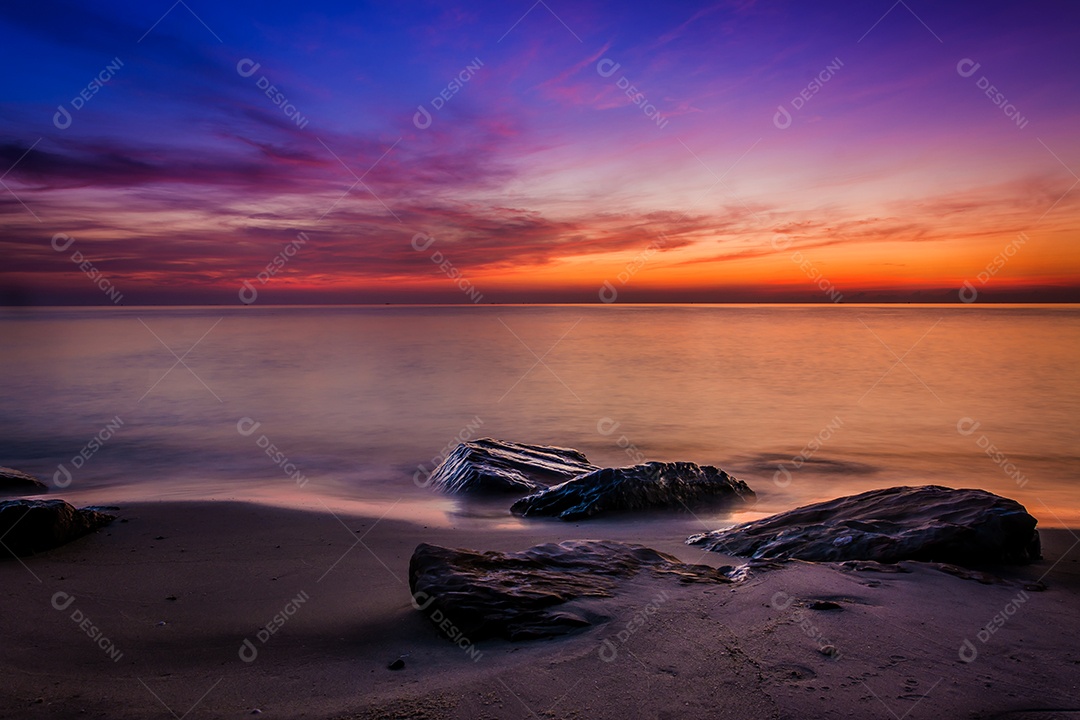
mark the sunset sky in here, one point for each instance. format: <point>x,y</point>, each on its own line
<point>776,151</point>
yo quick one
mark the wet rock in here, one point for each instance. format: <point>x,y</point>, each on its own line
<point>16,482</point>
<point>966,574</point>
<point>930,523</point>
<point>871,566</point>
<point>824,605</point>
<point>649,486</point>
<point>488,467</point>
<point>475,595</point>
<point>30,526</point>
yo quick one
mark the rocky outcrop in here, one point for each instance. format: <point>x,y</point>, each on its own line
<point>476,595</point>
<point>489,467</point>
<point>650,486</point>
<point>16,482</point>
<point>931,523</point>
<point>30,526</point>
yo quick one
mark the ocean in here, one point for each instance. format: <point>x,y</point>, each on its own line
<point>351,406</point>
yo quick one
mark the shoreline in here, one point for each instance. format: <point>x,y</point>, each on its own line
<point>331,597</point>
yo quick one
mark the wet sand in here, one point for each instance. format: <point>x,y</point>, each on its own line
<point>161,616</point>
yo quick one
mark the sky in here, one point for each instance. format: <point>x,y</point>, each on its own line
<point>187,152</point>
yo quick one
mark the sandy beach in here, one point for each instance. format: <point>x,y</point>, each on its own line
<point>169,611</point>
<point>552,360</point>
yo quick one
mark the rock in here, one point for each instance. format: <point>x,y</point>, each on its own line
<point>930,523</point>
<point>30,526</point>
<point>396,665</point>
<point>489,466</point>
<point>829,651</point>
<point>871,566</point>
<point>652,485</point>
<point>824,605</point>
<point>472,595</point>
<point>16,482</point>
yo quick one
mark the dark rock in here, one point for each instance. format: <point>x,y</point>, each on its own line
<point>489,466</point>
<point>472,595</point>
<point>396,665</point>
<point>871,566</point>
<point>966,574</point>
<point>30,526</point>
<point>16,482</point>
<point>824,605</point>
<point>653,485</point>
<point>930,523</point>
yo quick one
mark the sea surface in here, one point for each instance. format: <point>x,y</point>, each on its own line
<point>351,407</point>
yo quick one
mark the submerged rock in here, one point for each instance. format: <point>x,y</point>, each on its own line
<point>488,466</point>
<point>472,595</point>
<point>932,523</point>
<point>30,526</point>
<point>16,482</point>
<point>650,486</point>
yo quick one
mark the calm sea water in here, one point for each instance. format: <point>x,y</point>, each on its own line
<point>803,402</point>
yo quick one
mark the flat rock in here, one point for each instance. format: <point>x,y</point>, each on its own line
<point>929,523</point>
<point>649,486</point>
<point>16,482</point>
<point>516,596</point>
<point>488,467</point>
<point>30,526</point>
